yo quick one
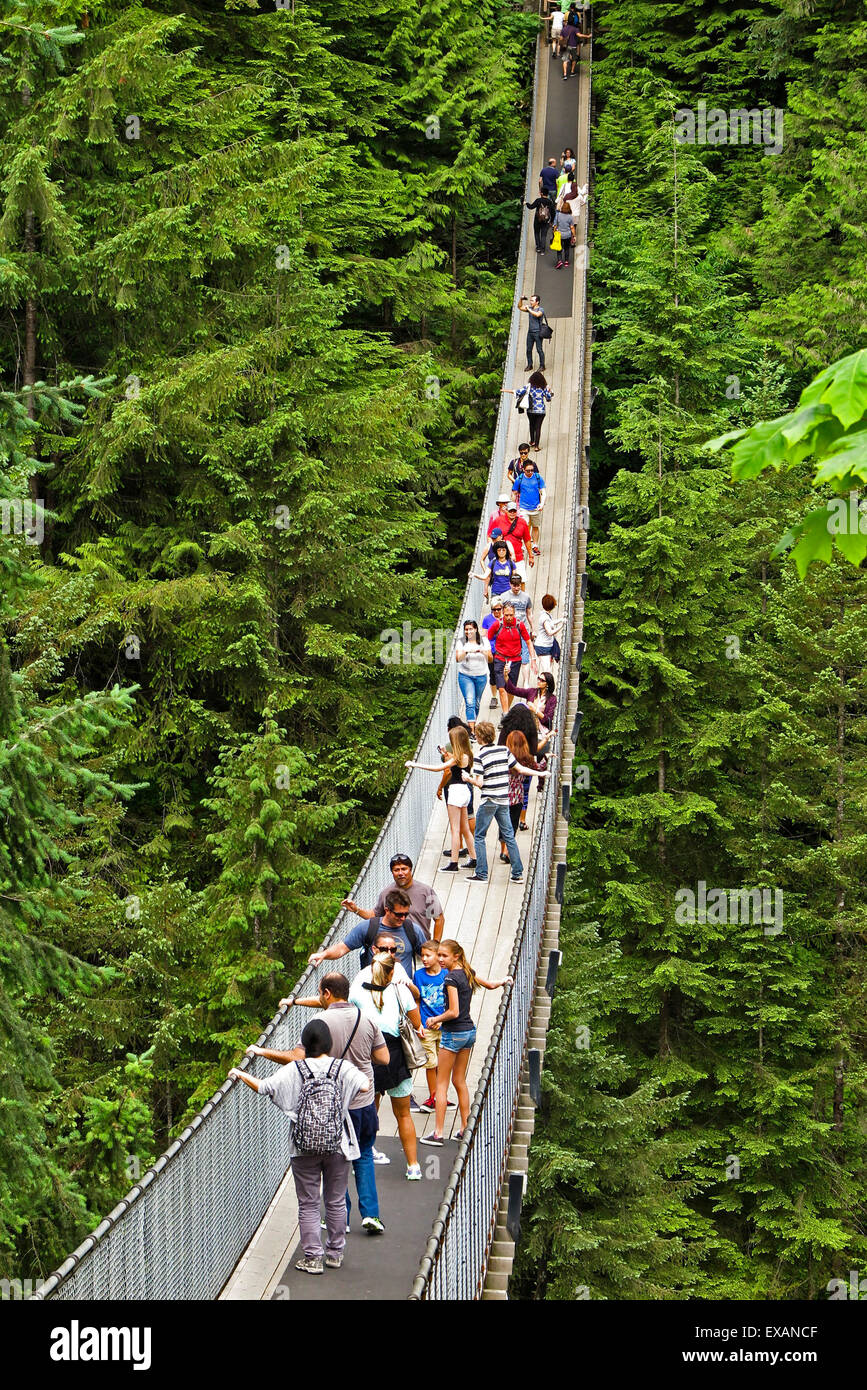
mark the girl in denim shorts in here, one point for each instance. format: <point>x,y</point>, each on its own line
<point>458,1033</point>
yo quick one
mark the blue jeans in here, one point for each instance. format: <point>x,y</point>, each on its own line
<point>472,689</point>
<point>365,1122</point>
<point>487,812</point>
<point>535,340</point>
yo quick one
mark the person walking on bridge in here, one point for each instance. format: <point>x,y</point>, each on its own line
<point>425,910</point>
<point>570,39</point>
<point>543,209</point>
<point>473,656</point>
<point>499,571</point>
<point>458,1033</point>
<point>530,493</point>
<point>359,1040</point>
<point>538,393</point>
<point>497,762</point>
<point>395,919</point>
<point>548,177</point>
<point>556,20</point>
<point>513,529</point>
<point>522,606</point>
<point>547,644</point>
<point>489,552</point>
<point>541,700</point>
<point>495,616</point>
<point>457,762</point>
<point>518,533</point>
<point>385,1000</point>
<point>509,640</point>
<point>565,223</point>
<point>315,1094</point>
<point>537,328</point>
<point>515,466</point>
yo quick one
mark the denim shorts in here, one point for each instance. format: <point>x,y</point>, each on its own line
<point>456,1042</point>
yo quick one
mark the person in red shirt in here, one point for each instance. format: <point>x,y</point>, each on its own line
<point>518,532</point>
<point>505,639</point>
<point>501,516</point>
<point>515,532</point>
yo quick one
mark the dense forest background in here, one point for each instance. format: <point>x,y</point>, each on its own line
<point>705,1113</point>
<point>256,263</point>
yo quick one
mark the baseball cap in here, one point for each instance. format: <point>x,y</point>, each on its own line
<point>511,507</point>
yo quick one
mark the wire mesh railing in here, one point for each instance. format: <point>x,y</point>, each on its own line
<point>181,1230</point>
<point>455,1261</point>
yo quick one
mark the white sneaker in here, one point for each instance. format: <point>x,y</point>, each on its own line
<point>380,1157</point>
<point>413,1172</point>
<point>323,1226</point>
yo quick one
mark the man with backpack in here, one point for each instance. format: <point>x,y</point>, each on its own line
<point>544,208</point>
<point>357,1039</point>
<point>395,920</point>
<point>316,1093</point>
<point>517,465</point>
<point>517,532</point>
<point>509,639</point>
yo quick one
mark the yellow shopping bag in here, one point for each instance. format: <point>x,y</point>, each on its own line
<point>556,241</point>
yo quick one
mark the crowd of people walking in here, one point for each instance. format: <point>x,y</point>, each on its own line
<point>407,1010</point>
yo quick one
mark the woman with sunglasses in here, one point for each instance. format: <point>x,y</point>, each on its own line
<point>541,699</point>
<point>384,1000</point>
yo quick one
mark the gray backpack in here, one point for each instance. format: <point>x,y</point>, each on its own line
<point>319,1126</point>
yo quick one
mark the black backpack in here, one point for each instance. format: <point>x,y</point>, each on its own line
<point>319,1126</point>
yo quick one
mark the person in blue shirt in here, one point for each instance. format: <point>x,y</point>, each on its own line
<point>498,575</point>
<point>529,493</point>
<point>429,982</point>
<point>495,616</point>
<point>548,178</point>
<point>395,921</point>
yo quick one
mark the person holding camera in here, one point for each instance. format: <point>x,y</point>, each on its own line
<point>537,328</point>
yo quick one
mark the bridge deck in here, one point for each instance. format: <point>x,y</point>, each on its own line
<point>482,918</point>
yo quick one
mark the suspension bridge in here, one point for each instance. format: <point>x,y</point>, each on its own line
<point>215,1217</point>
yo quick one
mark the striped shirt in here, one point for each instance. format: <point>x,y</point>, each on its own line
<point>496,762</point>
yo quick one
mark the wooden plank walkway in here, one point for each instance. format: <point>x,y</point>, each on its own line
<point>483,917</point>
